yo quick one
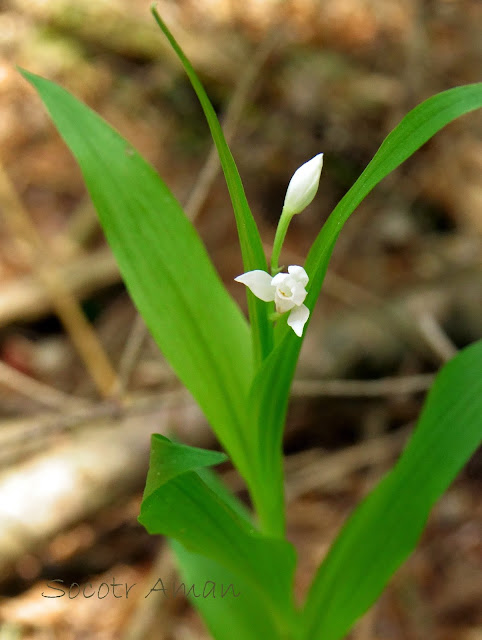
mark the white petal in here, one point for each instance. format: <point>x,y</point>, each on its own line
<point>299,274</point>
<point>303,185</point>
<point>299,294</point>
<point>260,284</point>
<point>297,319</point>
<point>279,279</point>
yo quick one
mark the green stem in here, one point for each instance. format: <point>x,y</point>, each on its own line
<point>268,494</point>
<point>270,509</point>
<point>281,230</point>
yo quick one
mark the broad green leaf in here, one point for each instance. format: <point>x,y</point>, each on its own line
<point>271,385</point>
<point>245,613</point>
<point>184,507</point>
<point>167,271</point>
<point>385,528</point>
<point>249,238</point>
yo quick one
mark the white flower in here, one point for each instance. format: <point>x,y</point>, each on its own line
<point>303,186</point>
<point>286,289</point>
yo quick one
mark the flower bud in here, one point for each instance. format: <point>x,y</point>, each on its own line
<point>303,186</point>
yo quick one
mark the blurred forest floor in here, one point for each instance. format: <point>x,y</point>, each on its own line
<point>404,290</point>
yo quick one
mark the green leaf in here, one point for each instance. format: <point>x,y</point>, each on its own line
<point>178,503</point>
<point>383,531</point>
<point>270,389</point>
<point>245,613</point>
<point>249,238</point>
<point>167,271</point>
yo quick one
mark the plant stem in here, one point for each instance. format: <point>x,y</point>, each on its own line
<point>268,502</point>
<point>281,230</point>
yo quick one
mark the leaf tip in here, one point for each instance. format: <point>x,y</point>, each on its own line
<point>158,436</point>
<point>31,78</point>
<point>154,10</point>
<point>23,72</point>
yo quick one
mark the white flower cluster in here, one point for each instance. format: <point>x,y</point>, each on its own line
<point>286,289</point>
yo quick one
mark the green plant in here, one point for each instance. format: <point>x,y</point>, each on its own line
<point>202,332</point>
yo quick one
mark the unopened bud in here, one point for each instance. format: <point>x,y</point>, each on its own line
<point>303,186</point>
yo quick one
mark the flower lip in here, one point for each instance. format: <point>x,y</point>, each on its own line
<point>290,291</point>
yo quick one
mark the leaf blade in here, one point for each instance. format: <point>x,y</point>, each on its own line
<point>182,506</point>
<point>165,266</point>
<point>245,613</point>
<point>382,532</point>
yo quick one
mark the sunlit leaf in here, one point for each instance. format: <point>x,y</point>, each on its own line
<point>167,271</point>
<point>383,531</point>
<point>245,612</point>
<point>185,508</point>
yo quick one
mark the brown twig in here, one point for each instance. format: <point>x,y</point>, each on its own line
<point>26,298</point>
<point>328,469</point>
<point>39,392</point>
<point>23,437</point>
<point>435,336</point>
<point>399,385</point>
<point>314,469</point>
<point>66,305</point>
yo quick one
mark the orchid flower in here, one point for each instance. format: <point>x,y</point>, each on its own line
<point>287,290</point>
<point>300,193</point>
